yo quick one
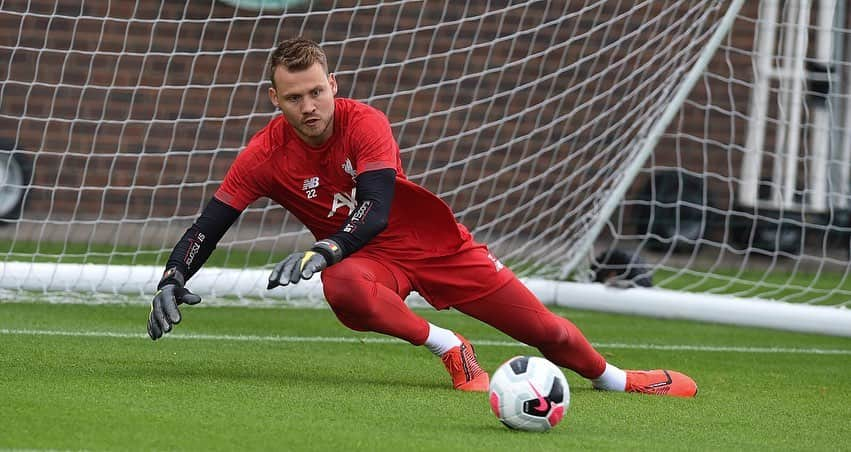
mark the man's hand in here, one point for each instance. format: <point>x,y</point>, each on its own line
<point>295,267</point>
<point>303,265</point>
<point>164,312</point>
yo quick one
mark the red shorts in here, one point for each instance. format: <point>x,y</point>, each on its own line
<point>469,274</point>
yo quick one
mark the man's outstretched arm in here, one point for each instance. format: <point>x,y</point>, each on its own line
<point>187,257</point>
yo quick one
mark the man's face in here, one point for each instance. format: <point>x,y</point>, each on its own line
<point>306,98</point>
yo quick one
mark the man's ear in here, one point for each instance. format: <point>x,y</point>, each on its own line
<point>333,82</point>
<point>273,96</point>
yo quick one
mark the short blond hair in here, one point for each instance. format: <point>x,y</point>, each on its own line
<point>296,54</point>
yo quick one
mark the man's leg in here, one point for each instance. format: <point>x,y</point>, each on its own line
<point>516,311</point>
<point>366,295</point>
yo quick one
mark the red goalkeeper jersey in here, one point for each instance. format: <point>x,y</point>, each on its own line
<point>317,185</point>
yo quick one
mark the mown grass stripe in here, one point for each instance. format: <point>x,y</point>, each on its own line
<point>372,340</point>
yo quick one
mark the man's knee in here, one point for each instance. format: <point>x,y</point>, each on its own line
<point>348,291</point>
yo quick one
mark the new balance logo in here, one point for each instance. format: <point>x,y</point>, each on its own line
<point>309,187</point>
<point>313,182</point>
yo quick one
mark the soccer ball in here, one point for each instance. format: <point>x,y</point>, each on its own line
<point>529,393</point>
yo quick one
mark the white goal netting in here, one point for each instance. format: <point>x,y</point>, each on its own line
<point>556,131</point>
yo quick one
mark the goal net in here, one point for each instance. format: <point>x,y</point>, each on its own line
<point>707,138</point>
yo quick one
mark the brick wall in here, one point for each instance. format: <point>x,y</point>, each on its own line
<point>149,102</point>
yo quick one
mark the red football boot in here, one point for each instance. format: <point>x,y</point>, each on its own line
<point>464,368</point>
<point>660,382</point>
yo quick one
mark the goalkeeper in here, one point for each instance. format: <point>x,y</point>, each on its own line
<point>334,164</point>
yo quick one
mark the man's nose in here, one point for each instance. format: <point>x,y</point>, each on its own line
<point>308,106</point>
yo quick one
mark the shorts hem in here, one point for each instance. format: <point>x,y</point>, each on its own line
<point>442,306</point>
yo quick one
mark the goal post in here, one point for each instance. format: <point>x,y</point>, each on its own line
<point>706,139</point>
<point>748,218</point>
<point>647,143</point>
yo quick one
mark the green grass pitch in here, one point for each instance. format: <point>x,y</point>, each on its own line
<point>86,377</point>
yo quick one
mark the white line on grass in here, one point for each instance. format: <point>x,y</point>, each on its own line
<point>373,340</point>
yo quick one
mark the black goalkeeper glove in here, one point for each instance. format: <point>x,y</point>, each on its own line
<point>170,294</point>
<point>304,264</point>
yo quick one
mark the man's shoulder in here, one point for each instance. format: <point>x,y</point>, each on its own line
<point>270,135</point>
<point>361,122</point>
<point>355,110</point>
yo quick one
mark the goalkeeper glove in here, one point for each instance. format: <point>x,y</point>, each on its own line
<point>170,294</point>
<point>304,264</point>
